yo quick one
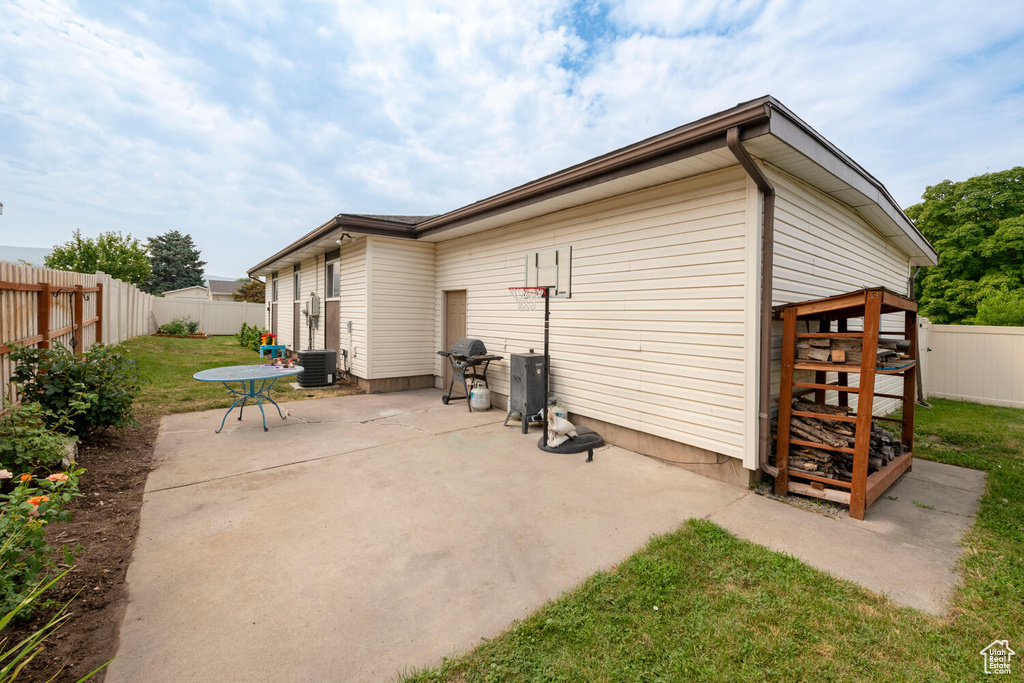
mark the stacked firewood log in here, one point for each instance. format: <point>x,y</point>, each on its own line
<point>885,446</point>
<point>848,351</point>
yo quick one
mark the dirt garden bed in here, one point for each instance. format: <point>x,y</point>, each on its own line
<point>105,522</point>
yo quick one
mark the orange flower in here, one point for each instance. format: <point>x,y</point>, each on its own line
<point>26,477</point>
<point>59,476</point>
<point>34,501</point>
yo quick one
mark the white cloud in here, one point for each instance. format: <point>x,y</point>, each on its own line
<point>259,120</point>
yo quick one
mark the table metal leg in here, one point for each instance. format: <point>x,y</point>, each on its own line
<point>241,399</point>
<point>249,392</point>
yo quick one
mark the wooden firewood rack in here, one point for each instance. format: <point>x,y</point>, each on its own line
<point>869,305</point>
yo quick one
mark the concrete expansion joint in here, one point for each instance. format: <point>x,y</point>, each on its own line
<point>727,505</point>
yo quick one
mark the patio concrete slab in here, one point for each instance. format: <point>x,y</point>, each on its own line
<point>356,566</point>
<point>190,451</point>
<point>367,535</point>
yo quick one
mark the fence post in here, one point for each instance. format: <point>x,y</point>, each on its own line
<point>77,328</point>
<point>99,313</point>
<point>43,315</point>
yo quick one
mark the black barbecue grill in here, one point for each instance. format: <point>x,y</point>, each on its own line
<point>469,360</point>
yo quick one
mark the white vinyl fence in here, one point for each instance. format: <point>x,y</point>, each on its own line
<point>974,363</point>
<point>215,317</point>
<point>127,310</point>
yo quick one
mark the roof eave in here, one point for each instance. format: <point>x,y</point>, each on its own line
<point>343,222</point>
<point>789,128</point>
<point>744,114</point>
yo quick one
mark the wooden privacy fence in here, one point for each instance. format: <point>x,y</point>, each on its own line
<point>41,307</point>
<point>974,363</point>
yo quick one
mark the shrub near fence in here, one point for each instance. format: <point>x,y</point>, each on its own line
<point>106,310</point>
<point>40,307</point>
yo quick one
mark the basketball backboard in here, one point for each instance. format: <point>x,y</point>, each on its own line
<point>550,268</point>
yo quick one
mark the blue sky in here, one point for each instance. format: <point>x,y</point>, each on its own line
<point>248,124</point>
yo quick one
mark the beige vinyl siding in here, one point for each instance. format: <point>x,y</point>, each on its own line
<point>654,336</point>
<point>401,296</point>
<point>353,305</point>
<point>823,248</point>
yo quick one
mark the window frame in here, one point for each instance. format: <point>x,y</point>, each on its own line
<point>329,291</point>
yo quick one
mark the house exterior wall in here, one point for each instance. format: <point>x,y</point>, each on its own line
<point>823,248</point>
<point>656,333</point>
<point>353,307</point>
<point>401,305</point>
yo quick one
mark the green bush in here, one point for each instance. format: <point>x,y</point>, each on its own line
<point>25,557</point>
<point>83,394</point>
<point>250,336</point>
<point>27,441</point>
<point>1001,307</point>
<point>183,325</point>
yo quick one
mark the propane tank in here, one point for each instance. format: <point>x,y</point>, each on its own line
<point>480,398</point>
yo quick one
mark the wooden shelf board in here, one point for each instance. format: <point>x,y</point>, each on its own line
<point>829,335</point>
<point>896,371</point>
<point>830,386</point>
<point>878,482</point>
<point>822,446</point>
<point>796,472</point>
<point>848,368</point>
<point>828,494</point>
<point>826,367</point>
<point>825,416</point>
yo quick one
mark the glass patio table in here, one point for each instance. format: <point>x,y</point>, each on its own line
<point>256,382</point>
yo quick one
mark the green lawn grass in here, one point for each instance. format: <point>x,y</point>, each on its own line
<point>729,610</point>
<point>168,363</point>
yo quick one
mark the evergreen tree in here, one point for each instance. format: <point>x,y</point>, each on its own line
<point>175,261</point>
<point>117,255</point>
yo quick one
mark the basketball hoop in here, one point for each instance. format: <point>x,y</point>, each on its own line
<point>527,297</point>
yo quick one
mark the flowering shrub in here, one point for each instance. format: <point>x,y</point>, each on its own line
<point>25,510</point>
<point>91,392</point>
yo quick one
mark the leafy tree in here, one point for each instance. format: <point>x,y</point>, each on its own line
<point>253,291</point>
<point>977,226</point>
<point>121,256</point>
<point>175,261</point>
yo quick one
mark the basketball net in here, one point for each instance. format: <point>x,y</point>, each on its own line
<point>527,297</point>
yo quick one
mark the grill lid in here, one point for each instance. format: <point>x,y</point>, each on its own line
<point>468,347</point>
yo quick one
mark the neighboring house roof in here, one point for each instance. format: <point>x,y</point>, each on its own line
<point>224,286</point>
<point>185,289</point>
<point>768,130</point>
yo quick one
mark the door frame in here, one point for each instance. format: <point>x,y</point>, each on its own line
<point>446,375</point>
<point>297,307</point>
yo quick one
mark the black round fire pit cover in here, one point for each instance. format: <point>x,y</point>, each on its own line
<point>585,440</point>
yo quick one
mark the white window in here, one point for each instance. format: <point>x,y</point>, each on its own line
<point>297,284</point>
<point>332,281</point>
<point>273,289</point>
